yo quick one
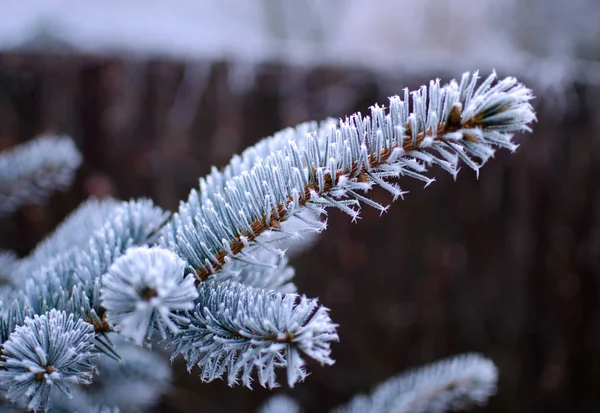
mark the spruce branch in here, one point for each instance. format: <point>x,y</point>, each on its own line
<point>132,384</point>
<point>30,171</point>
<point>333,166</point>
<point>70,281</point>
<point>92,277</point>
<point>452,384</point>
<point>49,351</point>
<point>142,291</point>
<point>235,329</point>
<point>73,233</point>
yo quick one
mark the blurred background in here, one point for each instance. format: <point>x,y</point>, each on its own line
<point>156,92</point>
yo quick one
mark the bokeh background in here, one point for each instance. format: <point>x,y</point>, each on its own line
<point>156,92</point>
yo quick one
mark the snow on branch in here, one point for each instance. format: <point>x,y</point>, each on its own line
<point>236,329</point>
<point>313,167</point>
<point>452,384</point>
<point>30,171</point>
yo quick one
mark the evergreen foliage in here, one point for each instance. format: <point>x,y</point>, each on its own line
<point>453,384</point>
<point>51,351</point>
<point>29,172</point>
<point>213,278</point>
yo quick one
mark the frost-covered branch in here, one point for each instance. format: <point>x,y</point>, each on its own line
<point>70,280</point>
<point>47,352</point>
<point>132,384</point>
<point>310,167</point>
<point>452,384</point>
<point>102,272</point>
<point>77,228</point>
<point>30,171</point>
<point>73,233</point>
<point>236,329</point>
<point>142,291</point>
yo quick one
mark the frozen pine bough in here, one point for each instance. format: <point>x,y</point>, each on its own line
<point>210,283</point>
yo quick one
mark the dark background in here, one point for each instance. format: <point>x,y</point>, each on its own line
<point>507,265</point>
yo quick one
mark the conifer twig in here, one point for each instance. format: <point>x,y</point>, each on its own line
<point>331,165</point>
<point>456,383</point>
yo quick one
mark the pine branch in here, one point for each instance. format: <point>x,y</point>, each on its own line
<point>132,384</point>
<point>236,225</point>
<point>266,265</point>
<point>30,171</point>
<point>77,227</point>
<point>70,281</point>
<point>47,352</point>
<point>235,329</point>
<point>452,384</point>
<point>143,290</point>
<point>73,233</point>
<point>332,166</point>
